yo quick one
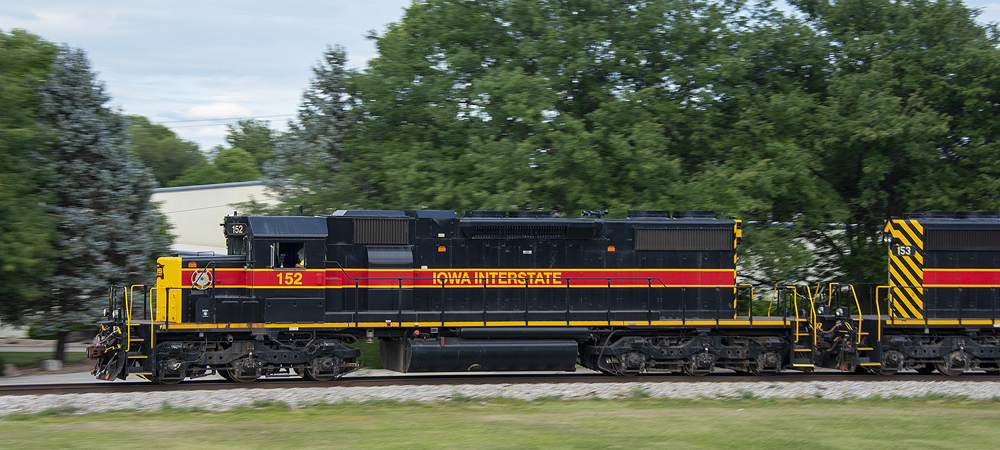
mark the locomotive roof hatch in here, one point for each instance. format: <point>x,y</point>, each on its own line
<point>288,227</point>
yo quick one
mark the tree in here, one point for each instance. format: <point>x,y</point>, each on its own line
<point>26,231</point>
<point>566,106</point>
<point>813,130</point>
<point>255,137</point>
<point>159,149</point>
<point>109,229</point>
<point>910,120</point>
<point>229,166</point>
<point>308,170</point>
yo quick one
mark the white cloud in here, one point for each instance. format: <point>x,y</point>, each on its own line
<point>192,59</point>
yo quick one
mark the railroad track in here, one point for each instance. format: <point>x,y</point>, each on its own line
<point>479,379</point>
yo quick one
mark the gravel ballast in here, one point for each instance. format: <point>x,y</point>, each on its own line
<point>222,400</point>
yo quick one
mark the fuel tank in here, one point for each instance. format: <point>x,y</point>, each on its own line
<point>455,354</point>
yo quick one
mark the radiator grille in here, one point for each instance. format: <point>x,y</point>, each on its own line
<point>382,231</point>
<point>681,240</point>
<point>963,240</point>
<point>518,232</point>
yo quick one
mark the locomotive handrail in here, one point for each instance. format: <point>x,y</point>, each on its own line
<point>878,309</point>
<point>398,284</point>
<point>861,317</point>
<point>342,269</point>
<point>811,319</point>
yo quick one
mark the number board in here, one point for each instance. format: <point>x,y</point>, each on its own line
<point>236,229</point>
<point>904,250</point>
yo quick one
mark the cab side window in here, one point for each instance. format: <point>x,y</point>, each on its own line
<point>288,255</point>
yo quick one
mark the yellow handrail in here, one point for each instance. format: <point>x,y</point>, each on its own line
<point>795,306</point>
<point>878,308</point>
<point>860,318</point>
<point>771,303</point>
<point>812,310</point>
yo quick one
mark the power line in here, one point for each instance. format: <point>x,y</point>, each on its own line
<point>228,118</point>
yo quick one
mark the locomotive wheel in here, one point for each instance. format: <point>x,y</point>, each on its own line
<point>892,362</point>
<point>224,373</point>
<point>235,375</point>
<point>165,380</point>
<point>952,372</point>
<point>243,371</point>
<point>324,364</point>
<point>691,370</point>
<point>310,374</point>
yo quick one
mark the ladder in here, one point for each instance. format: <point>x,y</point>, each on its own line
<point>138,347</point>
<point>802,349</point>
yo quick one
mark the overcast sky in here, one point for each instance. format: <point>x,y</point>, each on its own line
<point>196,66</point>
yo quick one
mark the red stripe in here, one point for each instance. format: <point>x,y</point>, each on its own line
<point>961,277</point>
<point>470,278</point>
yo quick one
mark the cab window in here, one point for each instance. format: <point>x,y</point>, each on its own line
<point>288,255</point>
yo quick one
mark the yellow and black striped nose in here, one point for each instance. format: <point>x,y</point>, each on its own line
<point>906,268</point>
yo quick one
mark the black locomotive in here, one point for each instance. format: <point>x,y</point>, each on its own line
<point>493,291</point>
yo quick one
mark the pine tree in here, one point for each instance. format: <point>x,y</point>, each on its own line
<point>110,232</point>
<point>307,170</point>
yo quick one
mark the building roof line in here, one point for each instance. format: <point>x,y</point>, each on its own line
<point>207,186</point>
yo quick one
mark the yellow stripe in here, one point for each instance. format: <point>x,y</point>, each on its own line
<point>899,308</point>
<point>916,270</point>
<point>478,286</point>
<point>902,237</point>
<point>908,299</point>
<point>963,270</point>
<point>946,322</point>
<point>480,269</point>
<point>906,277</point>
<point>913,235</point>
<point>916,301</point>
<point>917,226</point>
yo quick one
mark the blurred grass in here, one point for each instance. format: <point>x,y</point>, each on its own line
<point>28,359</point>
<point>551,423</point>
<point>372,359</point>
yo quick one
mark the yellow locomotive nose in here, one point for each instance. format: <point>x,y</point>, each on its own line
<point>168,289</point>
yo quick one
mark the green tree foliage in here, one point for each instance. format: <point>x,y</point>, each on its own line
<point>109,230</point>
<point>159,149</point>
<point>814,130</point>
<point>229,166</point>
<point>308,170</point>
<point>26,231</point>
<point>255,137</point>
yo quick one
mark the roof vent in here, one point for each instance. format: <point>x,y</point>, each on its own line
<point>484,213</point>
<point>647,213</point>
<point>932,215</point>
<point>978,215</point>
<point>694,214</point>
<point>530,214</point>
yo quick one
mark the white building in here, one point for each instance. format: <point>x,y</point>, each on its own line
<point>195,213</point>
